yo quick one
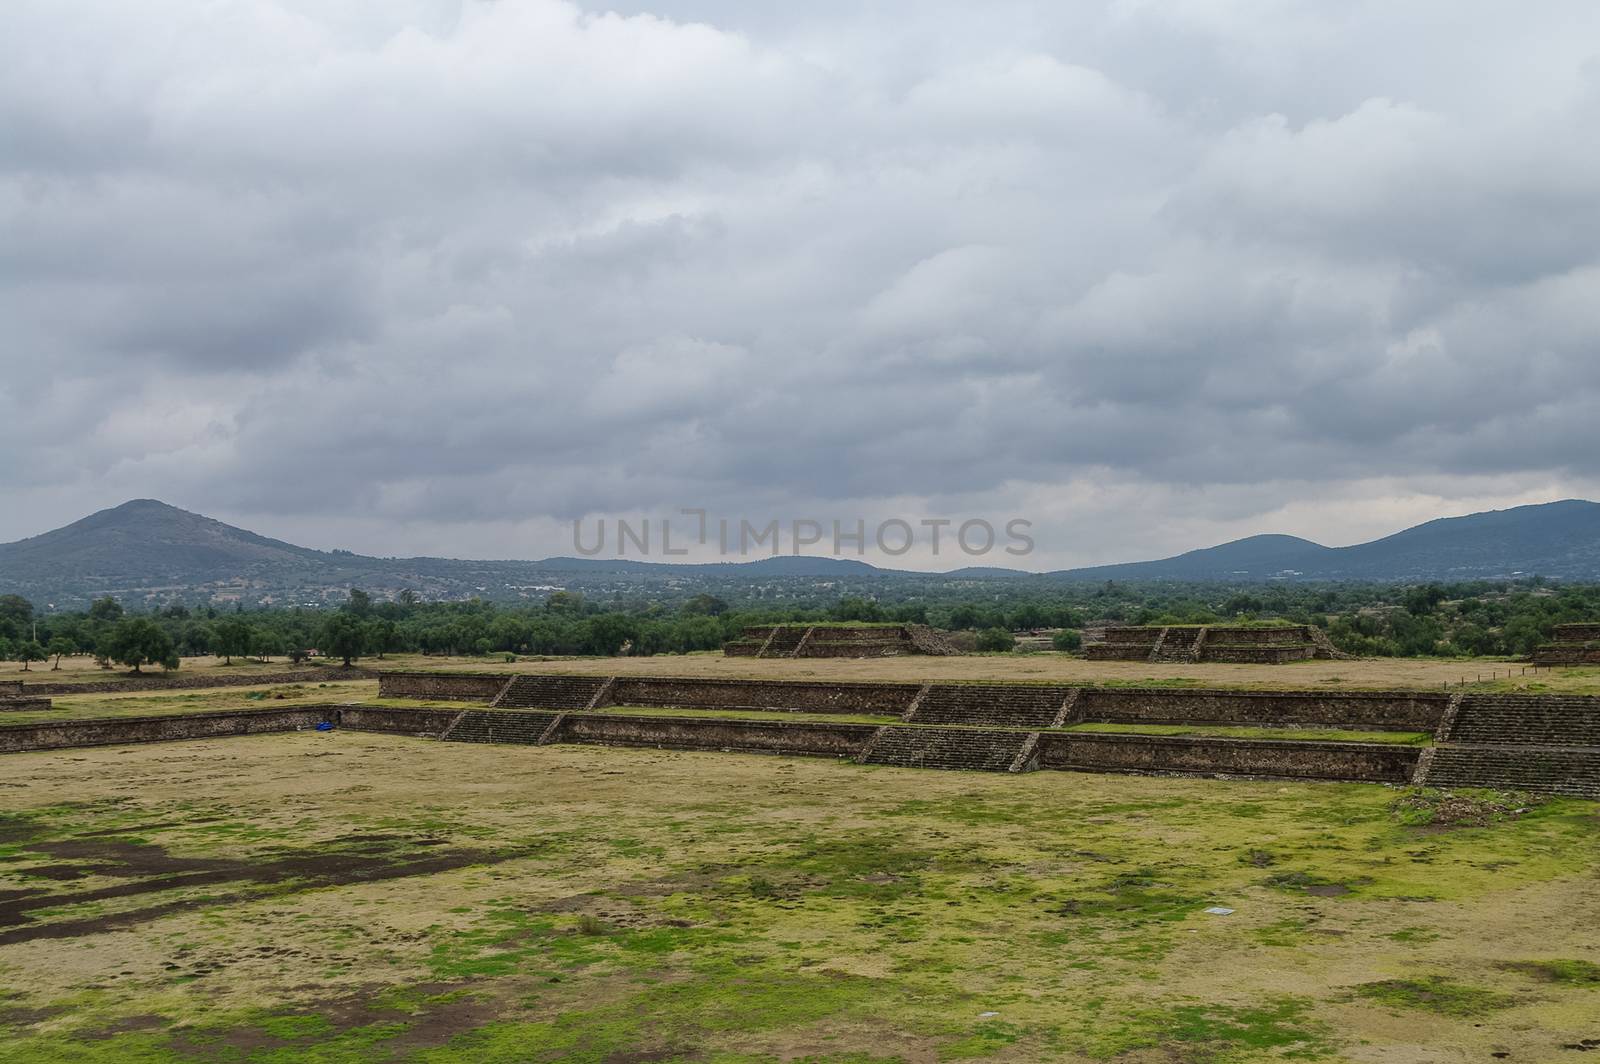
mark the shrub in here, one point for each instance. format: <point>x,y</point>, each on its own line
<point>1067,639</point>
<point>996,640</point>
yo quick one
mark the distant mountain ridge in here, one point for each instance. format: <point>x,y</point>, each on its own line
<point>145,549</point>
<point>1556,539</point>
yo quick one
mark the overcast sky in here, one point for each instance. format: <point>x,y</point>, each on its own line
<point>414,276</point>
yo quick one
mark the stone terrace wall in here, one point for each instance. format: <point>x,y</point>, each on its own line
<point>1298,633</point>
<point>10,688</point>
<point>23,705</point>
<point>806,738</point>
<point>827,634</point>
<point>1374,710</point>
<point>1118,651</point>
<point>884,699</point>
<point>423,723</point>
<point>209,678</point>
<point>1133,634</point>
<point>1566,654</point>
<point>1366,762</point>
<point>460,686</point>
<point>1251,654</point>
<point>881,649</point>
<point>57,735</point>
<point>1377,710</point>
<point>1577,633</point>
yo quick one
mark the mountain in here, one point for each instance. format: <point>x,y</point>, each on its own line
<point>1558,539</point>
<point>147,551</point>
<point>1252,558</point>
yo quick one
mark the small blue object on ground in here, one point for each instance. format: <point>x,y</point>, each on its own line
<point>326,725</point>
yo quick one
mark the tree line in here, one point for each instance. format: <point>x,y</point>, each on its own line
<point>1446,620</point>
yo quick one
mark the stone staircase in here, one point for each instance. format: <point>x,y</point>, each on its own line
<point>551,692</point>
<point>972,749</point>
<point>993,705</point>
<point>1575,773</point>
<point>1537,720</point>
<point>499,726</point>
<point>1178,645</point>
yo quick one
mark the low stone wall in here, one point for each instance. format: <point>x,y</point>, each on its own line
<point>1368,710</point>
<point>447,686</point>
<point>1577,633</point>
<point>24,705</point>
<point>1284,759</point>
<point>803,738</point>
<point>210,678</point>
<point>10,688</point>
<point>878,699</point>
<point>117,731</point>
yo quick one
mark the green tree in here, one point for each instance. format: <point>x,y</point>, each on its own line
<point>16,614</point>
<point>136,641</point>
<point>360,603</point>
<point>105,609</point>
<point>233,637</point>
<point>608,632</point>
<point>706,605</point>
<point>59,647</point>
<point>382,637</point>
<point>342,637</point>
<point>29,650</point>
<point>1067,639</point>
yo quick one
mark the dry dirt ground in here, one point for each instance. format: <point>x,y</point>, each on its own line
<point>346,897</point>
<point>1049,667</point>
<point>1370,673</point>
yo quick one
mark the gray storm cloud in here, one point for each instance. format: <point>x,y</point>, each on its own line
<point>436,277</point>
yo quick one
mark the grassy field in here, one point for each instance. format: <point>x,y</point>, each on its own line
<point>349,897</point>
<point>196,700</point>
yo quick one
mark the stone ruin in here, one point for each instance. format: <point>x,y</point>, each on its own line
<point>838,641</point>
<point>1572,644</point>
<point>1181,644</point>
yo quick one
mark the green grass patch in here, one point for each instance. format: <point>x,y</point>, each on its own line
<point>1436,993</point>
<point>1564,972</point>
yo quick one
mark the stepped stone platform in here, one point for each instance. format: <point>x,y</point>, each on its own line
<point>1571,644</point>
<point>24,705</point>
<point>1177,644</point>
<point>1572,770</point>
<point>1536,742</point>
<point>837,641</point>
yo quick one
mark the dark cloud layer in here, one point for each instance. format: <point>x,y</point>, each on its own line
<point>439,277</point>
